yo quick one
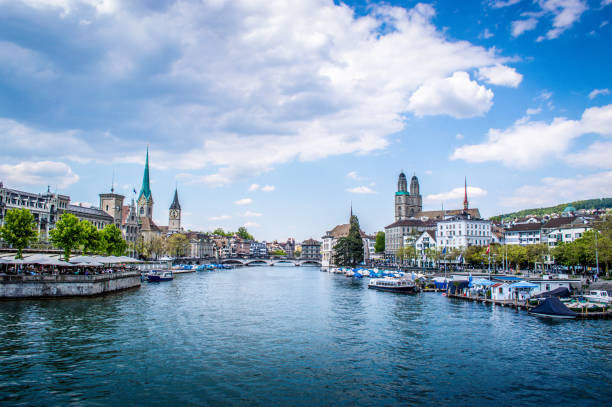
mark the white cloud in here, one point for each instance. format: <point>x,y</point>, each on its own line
<point>597,155</point>
<point>220,217</point>
<point>428,172</point>
<point>456,96</point>
<point>361,190</point>
<point>454,194</point>
<point>521,26</point>
<point>268,188</point>
<point>532,111</point>
<point>249,214</point>
<point>243,201</point>
<point>41,173</point>
<point>552,191</point>
<point>254,187</point>
<point>83,204</point>
<point>251,225</point>
<point>502,3</point>
<point>352,175</point>
<point>459,136</point>
<point>486,34</point>
<point>595,92</point>
<point>565,12</point>
<point>500,75</point>
<point>605,3</point>
<point>247,85</point>
<point>529,143</point>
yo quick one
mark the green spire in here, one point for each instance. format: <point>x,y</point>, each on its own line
<point>146,188</point>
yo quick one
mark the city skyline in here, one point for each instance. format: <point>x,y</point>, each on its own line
<point>278,116</point>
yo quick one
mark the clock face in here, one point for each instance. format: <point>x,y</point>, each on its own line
<point>174,213</point>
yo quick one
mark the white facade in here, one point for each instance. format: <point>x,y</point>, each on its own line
<point>566,234</point>
<point>462,231</point>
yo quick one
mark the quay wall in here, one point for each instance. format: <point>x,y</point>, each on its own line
<point>51,286</point>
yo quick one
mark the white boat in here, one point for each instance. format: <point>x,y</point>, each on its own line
<point>599,296</point>
<point>397,285</point>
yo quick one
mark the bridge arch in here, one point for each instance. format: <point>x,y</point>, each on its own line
<point>256,262</point>
<point>313,263</point>
<point>232,261</point>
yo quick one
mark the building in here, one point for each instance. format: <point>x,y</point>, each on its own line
<point>524,234</point>
<point>407,203</point>
<point>95,216</point>
<point>330,239</point>
<point>112,204</point>
<point>130,228</point>
<point>174,214</point>
<point>427,240</point>
<point>400,232</point>
<point>461,231</point>
<point>259,249</point>
<point>311,250</point>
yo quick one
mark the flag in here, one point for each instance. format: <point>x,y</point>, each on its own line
<point>488,249</point>
<point>134,190</point>
<point>444,250</point>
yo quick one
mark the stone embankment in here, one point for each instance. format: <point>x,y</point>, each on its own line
<point>65,285</point>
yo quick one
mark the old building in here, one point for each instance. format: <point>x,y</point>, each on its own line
<point>402,231</point>
<point>95,216</point>
<point>460,231</point>
<point>331,238</point>
<point>407,203</point>
<point>311,250</point>
<point>174,214</point>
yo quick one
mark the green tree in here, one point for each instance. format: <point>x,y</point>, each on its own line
<point>244,233</point>
<point>157,246</point>
<point>297,253</point>
<point>379,245</point>
<point>536,253</point>
<point>68,234</point>
<point>177,245</point>
<point>277,252</point>
<point>142,248</point>
<point>92,238</point>
<point>348,251</point>
<point>113,242</point>
<point>475,255</point>
<point>406,253</point>
<point>517,255</point>
<point>18,230</point>
<point>221,232</point>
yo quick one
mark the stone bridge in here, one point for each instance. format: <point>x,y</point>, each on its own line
<point>272,262</point>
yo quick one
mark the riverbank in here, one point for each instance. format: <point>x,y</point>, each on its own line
<point>23,286</point>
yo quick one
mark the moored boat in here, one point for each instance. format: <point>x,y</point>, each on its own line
<point>397,285</point>
<point>552,308</point>
<point>599,296</point>
<point>159,275</point>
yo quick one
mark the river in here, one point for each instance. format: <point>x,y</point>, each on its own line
<point>293,336</point>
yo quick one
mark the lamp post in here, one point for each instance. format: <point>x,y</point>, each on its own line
<point>596,255</point>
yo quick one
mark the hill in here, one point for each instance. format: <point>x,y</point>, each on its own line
<point>602,203</point>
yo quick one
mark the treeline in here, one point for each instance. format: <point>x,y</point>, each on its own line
<point>69,234</point>
<point>602,203</point>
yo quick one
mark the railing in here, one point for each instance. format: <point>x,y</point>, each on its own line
<point>66,278</point>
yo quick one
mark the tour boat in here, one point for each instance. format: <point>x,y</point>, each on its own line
<point>599,296</point>
<point>397,285</point>
<point>157,276</point>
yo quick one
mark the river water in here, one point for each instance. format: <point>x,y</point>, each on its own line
<point>272,336</point>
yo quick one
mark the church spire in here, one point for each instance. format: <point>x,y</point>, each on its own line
<point>175,201</point>
<point>465,200</point>
<point>145,190</point>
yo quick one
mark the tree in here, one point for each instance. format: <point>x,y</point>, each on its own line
<point>297,253</point>
<point>18,230</point>
<point>244,234</point>
<point>348,252</point>
<point>517,255</point>
<point>142,247</point>
<point>406,253</point>
<point>92,238</point>
<point>177,245</point>
<point>68,234</point>
<point>113,242</point>
<point>277,252</point>
<point>221,232</point>
<point>157,246</point>
<point>536,253</point>
<point>379,246</point>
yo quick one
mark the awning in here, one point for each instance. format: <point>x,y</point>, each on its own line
<point>524,284</point>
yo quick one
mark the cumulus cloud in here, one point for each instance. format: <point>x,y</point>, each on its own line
<point>249,214</point>
<point>361,190</point>
<point>243,201</point>
<point>254,187</point>
<point>533,111</point>
<point>454,194</point>
<point>504,3</point>
<point>41,173</point>
<point>247,85</point>
<point>521,26</point>
<point>500,75</point>
<point>268,188</point>
<point>527,143</point>
<point>596,92</point>
<point>552,191</point>
<point>564,14</point>
<point>457,96</point>
<point>597,155</point>
<point>251,225</point>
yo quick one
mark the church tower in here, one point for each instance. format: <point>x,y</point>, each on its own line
<point>174,220</point>
<point>407,203</point>
<point>145,198</point>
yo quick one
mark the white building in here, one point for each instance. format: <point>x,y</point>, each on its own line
<point>462,231</point>
<point>524,234</point>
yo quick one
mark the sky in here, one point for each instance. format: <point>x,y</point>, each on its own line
<point>279,115</point>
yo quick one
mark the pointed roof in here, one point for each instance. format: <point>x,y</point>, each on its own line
<point>146,188</point>
<point>175,202</point>
<point>465,200</point>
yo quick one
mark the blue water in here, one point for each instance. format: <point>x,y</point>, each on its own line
<point>273,336</point>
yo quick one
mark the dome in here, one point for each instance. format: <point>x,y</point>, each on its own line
<point>569,208</point>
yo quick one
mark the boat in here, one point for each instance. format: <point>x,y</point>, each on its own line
<point>159,275</point>
<point>396,285</point>
<point>600,296</point>
<point>552,307</point>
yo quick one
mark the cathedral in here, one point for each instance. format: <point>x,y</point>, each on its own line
<point>407,204</point>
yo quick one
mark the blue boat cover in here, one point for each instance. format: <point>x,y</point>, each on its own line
<point>553,306</point>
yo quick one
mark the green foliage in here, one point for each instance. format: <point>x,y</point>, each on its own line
<point>348,251</point>
<point>244,234</point>
<point>406,253</point>
<point>68,234</point>
<point>297,253</point>
<point>18,229</point>
<point>277,252</point>
<point>91,239</point>
<point>379,245</point>
<point>586,204</point>
<point>113,242</point>
<point>177,245</point>
<point>221,232</point>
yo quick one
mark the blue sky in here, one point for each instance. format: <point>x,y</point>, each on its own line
<point>278,114</point>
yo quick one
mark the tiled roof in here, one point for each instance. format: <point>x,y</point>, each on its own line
<point>310,242</point>
<point>148,225</point>
<point>342,231</point>
<point>474,213</point>
<point>558,222</point>
<point>410,222</point>
<point>523,227</point>
<point>84,211</point>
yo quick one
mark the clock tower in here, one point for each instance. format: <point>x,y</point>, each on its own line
<point>174,219</point>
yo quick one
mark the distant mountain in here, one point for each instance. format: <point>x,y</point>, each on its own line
<point>602,203</point>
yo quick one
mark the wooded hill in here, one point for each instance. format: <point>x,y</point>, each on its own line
<point>602,203</point>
